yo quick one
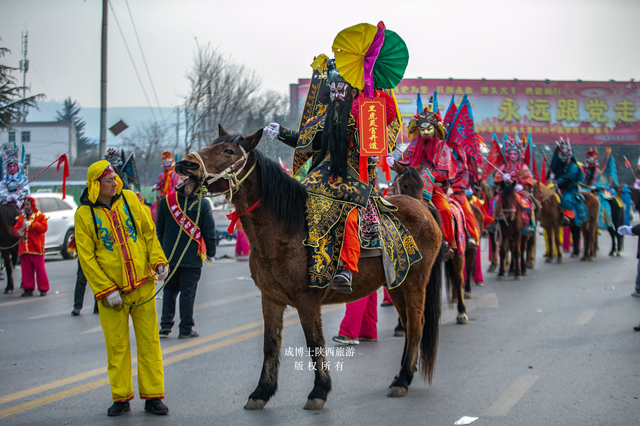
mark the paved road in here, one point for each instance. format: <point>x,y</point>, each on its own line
<point>556,348</point>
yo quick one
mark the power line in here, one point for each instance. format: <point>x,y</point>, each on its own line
<point>132,62</point>
<point>144,60</point>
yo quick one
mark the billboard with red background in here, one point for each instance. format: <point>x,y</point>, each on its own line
<point>587,112</point>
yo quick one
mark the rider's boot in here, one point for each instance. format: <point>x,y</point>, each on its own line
<point>342,281</point>
<point>471,242</point>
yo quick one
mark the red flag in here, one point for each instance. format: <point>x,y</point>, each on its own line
<point>382,163</point>
<point>627,164</point>
<point>65,173</point>
<point>530,159</point>
<point>543,175</point>
<point>494,157</point>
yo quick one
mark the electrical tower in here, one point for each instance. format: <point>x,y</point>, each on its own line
<point>24,67</point>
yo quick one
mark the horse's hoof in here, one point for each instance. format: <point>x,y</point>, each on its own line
<point>530,265</point>
<point>255,404</point>
<point>8,290</point>
<point>549,260</point>
<point>501,278</point>
<point>517,278</point>
<point>492,268</point>
<point>462,319</point>
<point>583,259</point>
<point>397,392</point>
<point>399,333</point>
<point>589,260</point>
<point>612,254</point>
<point>314,404</point>
<point>618,254</point>
<point>559,260</point>
<point>468,295</point>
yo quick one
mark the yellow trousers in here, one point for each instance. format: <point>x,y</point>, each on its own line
<point>115,325</point>
<point>546,243</point>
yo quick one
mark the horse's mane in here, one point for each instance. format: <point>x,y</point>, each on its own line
<point>413,173</point>
<point>546,191</point>
<point>283,196</point>
<point>508,190</point>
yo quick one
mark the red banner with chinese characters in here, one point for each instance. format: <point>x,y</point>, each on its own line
<point>373,128</point>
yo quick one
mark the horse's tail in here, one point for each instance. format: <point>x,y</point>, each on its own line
<point>429,342</point>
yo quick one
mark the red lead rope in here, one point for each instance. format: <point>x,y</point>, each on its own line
<point>234,216</point>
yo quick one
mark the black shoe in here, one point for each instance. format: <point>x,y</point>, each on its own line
<point>118,408</point>
<point>636,328</point>
<point>342,281</point>
<point>43,293</point>
<point>189,336</point>
<point>156,406</point>
<point>75,312</point>
<point>27,293</point>
<point>385,304</point>
<point>164,332</point>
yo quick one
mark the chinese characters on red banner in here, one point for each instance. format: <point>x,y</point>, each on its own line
<point>373,128</point>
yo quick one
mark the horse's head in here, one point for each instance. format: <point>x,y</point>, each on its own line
<point>408,180</point>
<point>508,199</point>
<point>214,165</point>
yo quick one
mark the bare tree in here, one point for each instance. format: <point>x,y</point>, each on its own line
<point>222,92</point>
<point>147,142</point>
<point>12,102</point>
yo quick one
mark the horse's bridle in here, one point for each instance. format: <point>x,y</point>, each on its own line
<point>230,173</point>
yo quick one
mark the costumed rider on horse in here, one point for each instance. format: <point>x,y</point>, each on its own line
<point>515,170</point>
<point>564,168</point>
<point>14,186</point>
<point>166,181</point>
<point>344,210</point>
<point>600,185</point>
<point>432,157</point>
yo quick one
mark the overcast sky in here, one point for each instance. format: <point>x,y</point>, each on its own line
<point>502,39</point>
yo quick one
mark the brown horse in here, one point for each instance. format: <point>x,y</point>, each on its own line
<point>8,242</point>
<point>271,207</point>
<point>489,193</point>
<point>551,215</point>
<point>509,236</point>
<point>409,182</point>
<point>550,218</point>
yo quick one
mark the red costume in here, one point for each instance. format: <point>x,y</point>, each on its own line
<point>429,149</point>
<point>166,181</point>
<point>32,226</point>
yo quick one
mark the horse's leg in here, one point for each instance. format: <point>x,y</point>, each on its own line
<point>588,244</point>
<point>268,384</point>
<point>612,233</point>
<point>311,321</point>
<point>458,286</point>
<point>575,233</point>
<point>531,250</point>
<point>523,255</point>
<point>494,252</point>
<point>6,256</point>
<point>469,265</point>
<point>414,295</point>
<point>516,255</point>
<point>556,241</point>
<point>503,260</point>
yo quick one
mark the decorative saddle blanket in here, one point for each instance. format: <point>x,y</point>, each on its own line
<point>326,220</point>
<point>459,225</point>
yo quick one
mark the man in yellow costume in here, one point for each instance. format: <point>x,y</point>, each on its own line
<point>119,252</point>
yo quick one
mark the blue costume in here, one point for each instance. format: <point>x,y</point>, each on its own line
<point>626,200</point>
<point>568,177</point>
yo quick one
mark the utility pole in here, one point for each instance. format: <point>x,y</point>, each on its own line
<point>24,67</point>
<point>103,81</point>
<point>178,129</point>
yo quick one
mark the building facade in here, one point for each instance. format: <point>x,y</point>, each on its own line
<point>44,141</point>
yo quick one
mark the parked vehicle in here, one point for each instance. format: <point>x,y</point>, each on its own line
<point>61,223</point>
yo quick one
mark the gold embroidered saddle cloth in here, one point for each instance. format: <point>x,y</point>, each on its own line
<point>381,233</point>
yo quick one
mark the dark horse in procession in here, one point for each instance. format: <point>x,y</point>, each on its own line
<point>271,206</point>
<point>8,241</point>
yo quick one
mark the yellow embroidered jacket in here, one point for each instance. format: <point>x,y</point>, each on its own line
<point>117,244</point>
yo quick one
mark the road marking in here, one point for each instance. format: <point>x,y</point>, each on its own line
<point>227,300</point>
<point>103,370</point>
<point>32,299</point>
<point>585,317</point>
<point>511,396</point>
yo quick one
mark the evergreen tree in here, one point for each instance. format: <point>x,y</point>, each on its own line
<point>70,113</point>
<point>11,101</point>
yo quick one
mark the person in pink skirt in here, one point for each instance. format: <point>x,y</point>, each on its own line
<point>360,322</point>
<point>242,242</point>
<point>30,228</point>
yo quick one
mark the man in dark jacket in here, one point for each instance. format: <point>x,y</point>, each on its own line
<point>176,227</point>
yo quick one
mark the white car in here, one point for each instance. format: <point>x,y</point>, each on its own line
<point>61,224</point>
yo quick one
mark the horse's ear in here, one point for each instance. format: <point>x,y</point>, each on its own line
<point>221,131</point>
<point>250,142</point>
<point>399,168</point>
<point>420,168</point>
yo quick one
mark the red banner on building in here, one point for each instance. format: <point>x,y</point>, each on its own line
<point>373,128</point>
